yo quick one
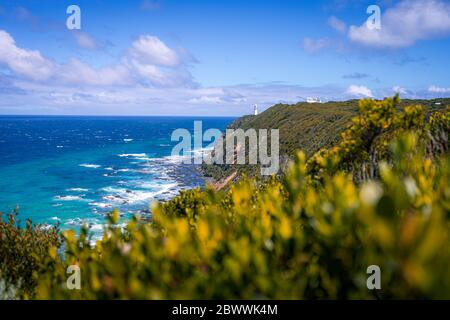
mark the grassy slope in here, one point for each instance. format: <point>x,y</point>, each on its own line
<point>304,126</point>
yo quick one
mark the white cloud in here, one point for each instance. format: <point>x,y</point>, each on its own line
<point>77,72</point>
<point>359,91</point>
<point>406,23</point>
<point>150,50</point>
<point>337,24</point>
<point>162,77</point>
<point>355,75</point>
<point>30,97</point>
<point>435,89</point>
<point>205,100</point>
<point>399,90</point>
<point>149,61</point>
<point>85,41</point>
<point>315,45</point>
<point>149,5</point>
<point>39,98</point>
<point>28,63</point>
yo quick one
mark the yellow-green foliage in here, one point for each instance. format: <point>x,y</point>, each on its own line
<point>313,126</point>
<point>366,142</point>
<point>311,235</point>
<point>21,252</point>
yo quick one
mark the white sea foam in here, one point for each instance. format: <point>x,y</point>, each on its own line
<point>128,140</point>
<point>161,187</point>
<point>134,155</point>
<point>176,159</point>
<point>80,222</point>
<point>148,171</point>
<point>122,196</point>
<point>111,189</point>
<point>96,227</point>
<point>87,165</point>
<point>143,159</point>
<point>68,198</point>
<point>74,221</point>
<point>78,189</point>
<point>100,204</point>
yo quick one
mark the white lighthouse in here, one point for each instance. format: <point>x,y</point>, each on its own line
<point>255,109</point>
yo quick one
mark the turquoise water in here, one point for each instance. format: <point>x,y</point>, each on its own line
<point>73,170</point>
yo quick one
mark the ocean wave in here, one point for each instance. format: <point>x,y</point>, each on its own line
<point>189,157</point>
<point>111,189</point>
<point>80,222</point>
<point>97,227</point>
<point>148,171</point>
<point>144,159</point>
<point>136,156</point>
<point>100,205</point>
<point>126,155</point>
<point>123,196</point>
<point>128,140</point>
<point>74,221</point>
<point>88,165</point>
<point>78,189</point>
<point>155,185</point>
<point>176,159</point>
<point>68,198</point>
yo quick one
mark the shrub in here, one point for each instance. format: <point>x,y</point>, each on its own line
<point>310,235</point>
<point>21,251</point>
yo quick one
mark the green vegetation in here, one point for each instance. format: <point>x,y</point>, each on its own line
<point>21,252</point>
<point>378,196</point>
<point>306,127</point>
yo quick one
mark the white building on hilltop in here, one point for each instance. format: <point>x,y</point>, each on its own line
<point>255,110</point>
<point>313,100</point>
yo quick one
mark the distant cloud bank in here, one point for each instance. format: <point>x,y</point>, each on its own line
<point>148,61</point>
<point>149,76</point>
<point>404,24</point>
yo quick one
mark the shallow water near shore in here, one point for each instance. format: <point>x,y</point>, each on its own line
<point>74,170</point>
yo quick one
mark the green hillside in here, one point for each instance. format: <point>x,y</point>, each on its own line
<point>304,126</point>
<point>311,234</point>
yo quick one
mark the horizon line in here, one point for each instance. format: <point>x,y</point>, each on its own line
<point>114,115</point>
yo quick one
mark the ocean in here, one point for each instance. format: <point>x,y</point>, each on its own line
<point>73,170</point>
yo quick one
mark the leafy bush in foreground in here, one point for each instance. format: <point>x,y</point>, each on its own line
<point>367,141</point>
<point>21,252</point>
<point>311,235</point>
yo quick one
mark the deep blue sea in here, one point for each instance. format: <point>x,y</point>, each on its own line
<point>73,170</point>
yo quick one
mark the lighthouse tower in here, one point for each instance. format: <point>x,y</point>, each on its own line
<point>255,109</point>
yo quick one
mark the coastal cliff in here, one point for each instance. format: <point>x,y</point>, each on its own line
<point>304,126</point>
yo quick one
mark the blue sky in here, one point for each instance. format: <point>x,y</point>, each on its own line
<point>216,57</point>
